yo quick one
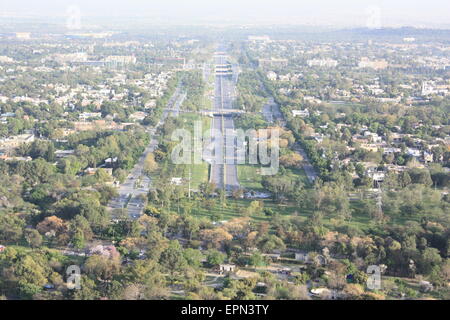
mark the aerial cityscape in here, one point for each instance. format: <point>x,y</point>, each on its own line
<point>157,152</point>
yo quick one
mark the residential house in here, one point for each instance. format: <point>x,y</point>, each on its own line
<point>226,268</point>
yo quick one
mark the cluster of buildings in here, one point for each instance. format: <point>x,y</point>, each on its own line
<point>82,101</point>
<point>420,81</point>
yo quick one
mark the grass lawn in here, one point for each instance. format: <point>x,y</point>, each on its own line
<point>345,104</point>
<point>235,208</point>
<point>199,172</point>
<point>299,173</point>
<point>250,178</point>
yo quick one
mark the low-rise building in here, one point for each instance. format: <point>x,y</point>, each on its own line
<point>226,268</point>
<point>301,113</point>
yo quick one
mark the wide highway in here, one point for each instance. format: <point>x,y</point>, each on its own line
<point>224,170</point>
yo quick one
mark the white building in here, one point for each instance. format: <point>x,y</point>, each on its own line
<point>226,268</point>
<point>176,181</point>
<point>301,113</point>
<point>272,76</point>
<point>327,63</point>
<point>373,64</point>
<point>122,60</point>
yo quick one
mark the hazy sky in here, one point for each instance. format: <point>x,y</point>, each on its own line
<point>315,12</point>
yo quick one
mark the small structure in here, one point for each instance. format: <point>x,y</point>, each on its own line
<point>311,257</point>
<point>92,171</point>
<point>226,268</point>
<point>426,286</point>
<point>325,293</point>
<point>302,256</point>
<point>63,153</point>
<point>106,251</point>
<point>273,256</point>
<point>301,113</point>
<point>111,161</point>
<point>138,116</point>
<point>176,181</point>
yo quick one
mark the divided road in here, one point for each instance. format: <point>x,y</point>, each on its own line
<point>272,113</point>
<point>138,184</point>
<point>224,174</point>
<point>311,173</point>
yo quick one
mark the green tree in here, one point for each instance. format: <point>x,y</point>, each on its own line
<point>172,258</point>
<point>193,257</point>
<point>215,257</point>
<point>33,238</point>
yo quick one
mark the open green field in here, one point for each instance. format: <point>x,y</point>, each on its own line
<point>344,104</point>
<point>250,178</point>
<point>236,208</point>
<point>199,173</point>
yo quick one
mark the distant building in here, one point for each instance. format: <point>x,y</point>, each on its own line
<point>111,161</point>
<point>150,104</point>
<point>302,257</point>
<point>176,181</point>
<point>23,35</point>
<point>106,251</point>
<point>327,63</point>
<point>373,64</point>
<point>312,100</point>
<point>259,38</point>
<point>16,141</point>
<point>272,76</point>
<point>301,113</point>
<point>226,268</point>
<point>427,88</point>
<point>325,293</point>
<point>90,115</point>
<point>120,60</point>
<point>369,147</point>
<point>391,150</point>
<point>5,59</point>
<point>414,152</point>
<point>92,171</point>
<point>63,153</point>
<point>426,286</point>
<point>428,157</point>
<point>71,57</point>
<point>138,116</point>
<point>378,176</point>
<point>173,61</point>
<point>272,63</point>
<point>24,159</point>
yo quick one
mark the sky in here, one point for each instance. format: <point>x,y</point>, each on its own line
<point>375,13</point>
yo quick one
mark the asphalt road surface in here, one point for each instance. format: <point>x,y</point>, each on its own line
<point>138,184</point>
<point>224,171</point>
<point>272,113</point>
<point>307,166</point>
